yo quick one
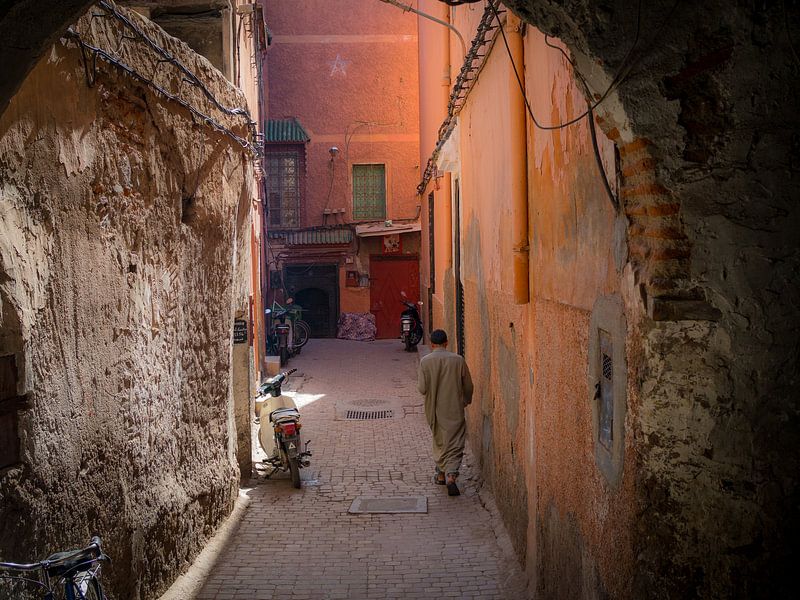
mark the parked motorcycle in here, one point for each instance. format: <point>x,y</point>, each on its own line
<point>410,324</point>
<point>279,429</point>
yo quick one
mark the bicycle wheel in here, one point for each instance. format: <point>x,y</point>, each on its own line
<point>301,333</point>
<point>22,586</point>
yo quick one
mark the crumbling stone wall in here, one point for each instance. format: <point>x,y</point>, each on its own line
<point>118,222</point>
<point>706,125</point>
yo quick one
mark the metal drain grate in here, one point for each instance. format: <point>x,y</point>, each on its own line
<point>368,415</point>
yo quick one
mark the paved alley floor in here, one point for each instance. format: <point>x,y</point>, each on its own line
<point>303,544</point>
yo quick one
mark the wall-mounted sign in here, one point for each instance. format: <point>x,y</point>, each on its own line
<point>391,244</point>
<point>240,331</point>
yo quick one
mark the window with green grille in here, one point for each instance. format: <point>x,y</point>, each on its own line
<point>283,166</point>
<point>369,192</point>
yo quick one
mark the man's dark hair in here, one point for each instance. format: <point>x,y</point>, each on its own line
<point>438,337</point>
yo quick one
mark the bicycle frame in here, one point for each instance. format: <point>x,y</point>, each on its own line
<point>77,579</point>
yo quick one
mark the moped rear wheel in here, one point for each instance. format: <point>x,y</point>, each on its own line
<point>294,469</point>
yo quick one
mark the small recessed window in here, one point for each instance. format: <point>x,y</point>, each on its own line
<point>607,385</point>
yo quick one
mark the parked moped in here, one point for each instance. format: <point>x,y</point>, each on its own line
<point>279,429</point>
<point>410,324</point>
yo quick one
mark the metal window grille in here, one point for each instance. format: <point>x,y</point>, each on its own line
<point>606,416</point>
<point>369,191</point>
<point>283,187</point>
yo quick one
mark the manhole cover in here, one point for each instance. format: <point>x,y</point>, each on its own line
<point>368,415</point>
<point>403,504</point>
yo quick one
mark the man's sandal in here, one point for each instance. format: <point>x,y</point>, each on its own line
<point>439,479</point>
<point>452,487</point>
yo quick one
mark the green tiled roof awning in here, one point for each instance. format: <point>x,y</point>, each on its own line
<point>286,131</point>
<point>314,237</point>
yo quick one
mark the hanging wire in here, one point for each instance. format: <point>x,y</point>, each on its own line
<point>187,76</point>
<point>193,78</point>
<point>622,73</point>
<point>105,56</point>
<point>613,198</point>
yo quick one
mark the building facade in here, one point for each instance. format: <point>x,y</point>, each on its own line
<point>342,160</point>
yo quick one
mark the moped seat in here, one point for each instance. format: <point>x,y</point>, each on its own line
<point>284,414</point>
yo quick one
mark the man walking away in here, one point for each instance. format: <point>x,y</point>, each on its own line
<point>445,381</point>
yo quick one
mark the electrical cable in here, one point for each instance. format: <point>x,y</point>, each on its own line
<point>194,79</point>
<point>613,198</point>
<point>208,120</point>
<point>618,78</point>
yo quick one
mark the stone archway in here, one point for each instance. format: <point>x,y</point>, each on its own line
<point>26,30</point>
<point>706,128</point>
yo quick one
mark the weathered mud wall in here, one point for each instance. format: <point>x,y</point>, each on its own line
<point>118,222</point>
<point>706,127</point>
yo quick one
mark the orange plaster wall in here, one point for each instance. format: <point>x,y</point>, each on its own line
<point>572,264</point>
<point>531,423</point>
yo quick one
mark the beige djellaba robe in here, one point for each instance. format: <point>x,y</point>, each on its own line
<point>445,381</point>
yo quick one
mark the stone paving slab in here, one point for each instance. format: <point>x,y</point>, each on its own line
<point>303,544</point>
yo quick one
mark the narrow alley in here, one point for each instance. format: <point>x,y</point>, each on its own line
<point>303,544</point>
<point>594,202</point>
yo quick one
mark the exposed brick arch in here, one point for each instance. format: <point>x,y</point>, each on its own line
<point>27,29</point>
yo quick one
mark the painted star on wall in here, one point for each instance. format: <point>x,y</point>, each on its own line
<point>339,65</point>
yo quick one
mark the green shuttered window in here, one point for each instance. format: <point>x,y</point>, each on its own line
<point>369,192</point>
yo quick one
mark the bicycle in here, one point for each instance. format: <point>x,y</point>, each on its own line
<point>300,329</point>
<point>287,333</point>
<point>76,574</point>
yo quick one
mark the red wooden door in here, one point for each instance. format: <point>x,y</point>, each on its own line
<point>388,277</point>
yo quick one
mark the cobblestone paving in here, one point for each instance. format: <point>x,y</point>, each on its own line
<point>303,544</point>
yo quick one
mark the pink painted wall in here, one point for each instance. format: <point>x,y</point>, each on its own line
<point>348,71</point>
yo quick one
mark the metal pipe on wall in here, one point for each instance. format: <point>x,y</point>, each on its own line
<point>518,166</point>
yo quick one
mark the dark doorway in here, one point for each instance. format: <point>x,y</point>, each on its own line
<point>316,289</point>
<point>316,310</point>
<point>389,276</point>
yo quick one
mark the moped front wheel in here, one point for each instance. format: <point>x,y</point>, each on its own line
<point>294,469</point>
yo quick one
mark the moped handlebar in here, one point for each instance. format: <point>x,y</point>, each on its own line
<point>275,382</point>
